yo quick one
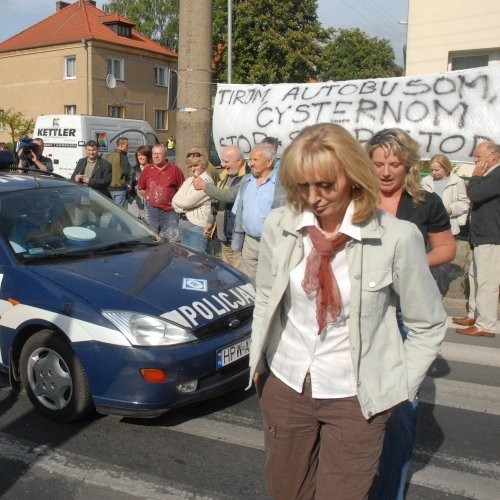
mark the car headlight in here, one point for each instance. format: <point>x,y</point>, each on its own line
<point>144,330</point>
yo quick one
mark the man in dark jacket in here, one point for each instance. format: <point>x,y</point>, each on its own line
<point>483,191</point>
<point>121,172</point>
<point>92,170</point>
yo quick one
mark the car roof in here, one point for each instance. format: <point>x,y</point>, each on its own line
<point>16,181</point>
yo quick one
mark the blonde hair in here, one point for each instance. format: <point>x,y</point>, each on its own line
<point>194,160</point>
<point>398,142</point>
<point>313,150</point>
<point>443,161</point>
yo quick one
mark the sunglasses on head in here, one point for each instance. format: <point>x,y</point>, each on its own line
<point>195,155</point>
<point>384,137</point>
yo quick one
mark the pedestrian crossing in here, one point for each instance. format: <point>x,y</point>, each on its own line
<point>438,469</point>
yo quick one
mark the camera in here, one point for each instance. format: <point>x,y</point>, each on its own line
<point>26,146</point>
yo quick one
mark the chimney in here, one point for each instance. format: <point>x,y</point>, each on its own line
<point>61,5</point>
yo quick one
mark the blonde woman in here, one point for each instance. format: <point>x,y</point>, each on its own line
<point>394,154</point>
<point>326,354</point>
<point>450,188</point>
<point>193,206</point>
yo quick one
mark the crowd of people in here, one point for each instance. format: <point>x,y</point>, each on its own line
<point>348,247</point>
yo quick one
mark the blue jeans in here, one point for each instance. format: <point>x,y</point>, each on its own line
<point>192,236</point>
<point>163,222</point>
<point>399,441</point>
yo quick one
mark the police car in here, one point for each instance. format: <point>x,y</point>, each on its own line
<point>99,313</point>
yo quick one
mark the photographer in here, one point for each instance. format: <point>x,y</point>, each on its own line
<point>31,156</point>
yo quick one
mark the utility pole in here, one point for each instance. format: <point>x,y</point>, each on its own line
<point>194,99</point>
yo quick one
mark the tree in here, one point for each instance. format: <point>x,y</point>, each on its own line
<point>18,125</point>
<point>351,54</point>
<point>273,42</point>
<point>157,19</point>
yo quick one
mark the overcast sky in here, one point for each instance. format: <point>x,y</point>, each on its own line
<point>375,17</point>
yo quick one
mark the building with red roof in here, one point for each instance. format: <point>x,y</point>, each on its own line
<point>81,60</point>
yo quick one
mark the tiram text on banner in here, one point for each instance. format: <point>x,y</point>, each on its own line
<point>447,113</point>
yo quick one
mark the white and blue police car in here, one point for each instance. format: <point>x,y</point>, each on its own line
<point>97,312</point>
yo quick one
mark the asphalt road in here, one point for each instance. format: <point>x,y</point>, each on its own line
<point>214,450</point>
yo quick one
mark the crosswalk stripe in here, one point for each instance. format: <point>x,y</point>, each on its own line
<point>454,481</point>
<point>463,395</point>
<point>465,353</point>
<point>221,431</point>
<point>92,472</point>
<point>478,486</point>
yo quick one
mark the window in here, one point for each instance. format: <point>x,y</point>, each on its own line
<point>120,29</point>
<point>70,109</point>
<point>116,67</point>
<point>123,30</point>
<point>469,61</point>
<point>70,67</point>
<point>161,119</point>
<point>116,111</point>
<point>161,76</point>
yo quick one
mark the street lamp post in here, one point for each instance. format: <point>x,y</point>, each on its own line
<point>229,40</point>
<point>404,23</point>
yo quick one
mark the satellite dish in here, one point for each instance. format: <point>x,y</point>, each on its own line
<point>110,81</point>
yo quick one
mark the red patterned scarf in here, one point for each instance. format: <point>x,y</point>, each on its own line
<point>319,277</point>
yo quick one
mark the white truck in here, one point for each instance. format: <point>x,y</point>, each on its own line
<point>65,137</point>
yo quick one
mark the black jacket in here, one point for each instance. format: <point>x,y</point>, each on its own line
<point>101,176</point>
<point>484,194</point>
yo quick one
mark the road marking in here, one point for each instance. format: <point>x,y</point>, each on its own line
<point>93,472</point>
<point>464,395</point>
<point>465,353</point>
<point>483,484</point>
<point>221,431</point>
<point>455,481</point>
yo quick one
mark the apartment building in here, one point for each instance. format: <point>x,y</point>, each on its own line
<point>448,35</point>
<point>81,60</point>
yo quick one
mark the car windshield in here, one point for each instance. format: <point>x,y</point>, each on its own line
<point>67,221</point>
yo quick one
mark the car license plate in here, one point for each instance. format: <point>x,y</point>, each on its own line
<point>232,353</point>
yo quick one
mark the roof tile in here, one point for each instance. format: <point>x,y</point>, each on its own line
<point>80,20</point>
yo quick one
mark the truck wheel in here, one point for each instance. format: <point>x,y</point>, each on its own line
<point>54,378</point>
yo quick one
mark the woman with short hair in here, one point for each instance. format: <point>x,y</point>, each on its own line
<point>194,206</point>
<point>326,354</point>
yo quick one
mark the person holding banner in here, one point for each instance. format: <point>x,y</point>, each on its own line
<point>326,356</point>
<point>397,165</point>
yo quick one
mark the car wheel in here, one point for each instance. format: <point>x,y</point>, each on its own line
<point>53,378</point>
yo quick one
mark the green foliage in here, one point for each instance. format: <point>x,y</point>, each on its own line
<point>157,19</point>
<point>273,42</point>
<point>351,54</point>
<point>17,123</point>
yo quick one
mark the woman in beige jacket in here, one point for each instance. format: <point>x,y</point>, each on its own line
<point>450,188</point>
<point>326,355</point>
<point>194,206</point>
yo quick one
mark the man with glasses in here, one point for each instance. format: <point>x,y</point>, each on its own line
<point>158,184</point>
<point>234,168</point>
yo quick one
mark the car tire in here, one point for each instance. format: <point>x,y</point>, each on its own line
<point>54,379</point>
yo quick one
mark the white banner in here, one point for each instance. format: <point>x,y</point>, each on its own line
<point>447,113</point>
